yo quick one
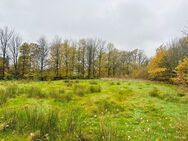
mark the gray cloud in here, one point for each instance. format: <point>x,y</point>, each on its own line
<point>129,24</point>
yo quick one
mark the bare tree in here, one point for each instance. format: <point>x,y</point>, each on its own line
<point>66,55</point>
<point>5,36</point>
<point>56,55</point>
<point>110,48</point>
<point>73,58</point>
<point>14,45</point>
<point>82,56</point>
<point>89,55</point>
<point>43,54</point>
<point>101,49</point>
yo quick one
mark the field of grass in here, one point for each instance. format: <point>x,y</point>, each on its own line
<point>93,110</point>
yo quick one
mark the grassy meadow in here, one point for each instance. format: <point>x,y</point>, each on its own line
<point>93,110</point>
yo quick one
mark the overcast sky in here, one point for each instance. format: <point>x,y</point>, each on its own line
<point>129,24</point>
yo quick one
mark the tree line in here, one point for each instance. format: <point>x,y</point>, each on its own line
<point>58,59</point>
<point>89,58</point>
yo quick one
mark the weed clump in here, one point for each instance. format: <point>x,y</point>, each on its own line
<point>35,92</point>
<point>169,97</point>
<point>108,132</point>
<point>154,93</point>
<point>73,124</point>
<point>118,83</point>
<point>93,82</point>
<point>105,106</point>
<point>3,97</point>
<point>95,88</point>
<point>30,119</point>
<point>163,96</point>
<point>66,97</point>
<point>11,91</point>
<point>112,83</point>
<point>80,90</point>
<point>125,91</point>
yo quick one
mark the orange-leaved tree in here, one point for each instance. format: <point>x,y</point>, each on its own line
<point>182,71</point>
<point>156,69</point>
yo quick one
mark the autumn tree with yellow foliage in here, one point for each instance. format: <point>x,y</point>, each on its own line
<point>155,68</point>
<point>182,71</point>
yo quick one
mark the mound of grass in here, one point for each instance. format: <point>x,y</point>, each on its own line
<point>118,83</point>
<point>66,97</point>
<point>105,106</point>
<point>163,96</point>
<point>126,91</point>
<point>35,92</point>
<point>80,89</point>
<point>95,88</point>
<point>11,91</point>
<point>112,83</point>
<point>74,124</point>
<point>93,82</point>
<point>154,92</point>
<point>3,97</point>
<point>108,132</point>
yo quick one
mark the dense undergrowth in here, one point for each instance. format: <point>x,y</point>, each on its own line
<point>92,110</point>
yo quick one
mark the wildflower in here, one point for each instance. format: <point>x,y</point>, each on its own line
<point>129,137</point>
<point>32,134</point>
